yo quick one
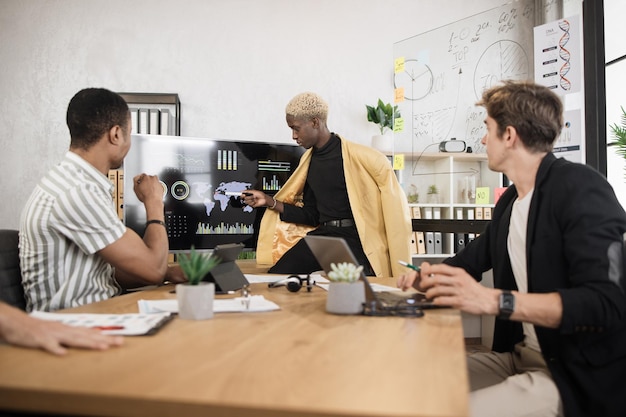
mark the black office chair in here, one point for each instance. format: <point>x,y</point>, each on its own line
<point>11,291</point>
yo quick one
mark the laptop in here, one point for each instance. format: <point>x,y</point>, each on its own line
<point>328,250</point>
<point>226,275</point>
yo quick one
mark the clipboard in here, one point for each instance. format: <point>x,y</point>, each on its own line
<point>112,324</point>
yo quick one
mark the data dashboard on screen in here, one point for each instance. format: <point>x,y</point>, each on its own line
<point>202,180</point>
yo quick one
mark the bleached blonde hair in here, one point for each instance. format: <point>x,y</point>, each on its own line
<point>307,105</point>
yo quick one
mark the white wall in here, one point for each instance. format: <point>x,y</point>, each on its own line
<point>235,64</point>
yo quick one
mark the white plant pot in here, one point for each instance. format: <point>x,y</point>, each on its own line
<point>195,302</point>
<point>345,297</point>
<point>383,143</point>
<point>432,198</point>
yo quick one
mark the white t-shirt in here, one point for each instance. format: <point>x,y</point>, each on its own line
<point>516,245</point>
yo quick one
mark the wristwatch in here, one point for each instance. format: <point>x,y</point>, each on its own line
<point>507,305</point>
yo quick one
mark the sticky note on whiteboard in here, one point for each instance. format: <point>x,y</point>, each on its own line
<point>398,95</point>
<point>398,124</point>
<point>398,65</point>
<point>398,161</point>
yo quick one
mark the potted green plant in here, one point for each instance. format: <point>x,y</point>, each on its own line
<point>619,132</point>
<point>433,194</point>
<point>412,196</point>
<point>195,297</point>
<point>346,293</point>
<point>384,115</point>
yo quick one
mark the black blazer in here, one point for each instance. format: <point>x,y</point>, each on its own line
<point>574,246</point>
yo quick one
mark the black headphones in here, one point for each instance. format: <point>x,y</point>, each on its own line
<point>293,283</point>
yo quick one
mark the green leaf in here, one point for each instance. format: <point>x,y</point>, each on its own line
<point>383,115</point>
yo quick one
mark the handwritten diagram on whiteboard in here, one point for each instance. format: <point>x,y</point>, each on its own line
<point>446,70</point>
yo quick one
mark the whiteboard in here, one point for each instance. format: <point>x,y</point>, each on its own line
<point>447,69</point>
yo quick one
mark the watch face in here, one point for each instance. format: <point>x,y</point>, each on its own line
<point>416,79</point>
<point>507,304</point>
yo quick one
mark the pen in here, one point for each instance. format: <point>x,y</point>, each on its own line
<point>413,267</point>
<point>216,292</point>
<point>111,327</point>
<point>237,193</point>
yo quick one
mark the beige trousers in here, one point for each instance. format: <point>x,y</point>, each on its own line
<point>513,384</point>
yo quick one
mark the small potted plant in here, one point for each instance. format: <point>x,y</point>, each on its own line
<point>433,194</point>
<point>346,293</point>
<point>412,196</point>
<point>195,297</point>
<point>384,115</point>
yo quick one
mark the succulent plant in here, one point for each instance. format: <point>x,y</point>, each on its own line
<point>432,189</point>
<point>196,265</point>
<point>412,195</point>
<point>344,272</point>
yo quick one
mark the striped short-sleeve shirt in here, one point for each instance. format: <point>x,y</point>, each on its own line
<point>67,219</point>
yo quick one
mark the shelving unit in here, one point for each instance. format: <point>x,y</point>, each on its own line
<point>154,113</point>
<point>454,213</point>
<point>448,172</point>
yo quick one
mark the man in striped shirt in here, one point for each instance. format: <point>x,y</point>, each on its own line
<point>74,249</point>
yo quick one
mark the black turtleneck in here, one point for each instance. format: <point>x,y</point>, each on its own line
<point>325,194</point>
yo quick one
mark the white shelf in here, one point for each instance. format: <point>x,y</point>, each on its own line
<point>448,172</point>
<point>451,173</point>
<point>165,108</point>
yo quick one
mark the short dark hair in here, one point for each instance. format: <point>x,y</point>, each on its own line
<point>535,111</point>
<point>92,112</point>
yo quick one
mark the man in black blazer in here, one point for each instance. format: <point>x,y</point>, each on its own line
<point>555,245</point>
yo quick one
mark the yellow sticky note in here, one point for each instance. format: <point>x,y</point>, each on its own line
<point>398,65</point>
<point>482,195</point>
<point>398,95</point>
<point>398,124</point>
<point>398,161</point>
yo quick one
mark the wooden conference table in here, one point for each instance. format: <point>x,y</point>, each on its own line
<point>299,361</point>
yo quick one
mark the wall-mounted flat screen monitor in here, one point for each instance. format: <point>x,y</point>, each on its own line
<point>202,180</point>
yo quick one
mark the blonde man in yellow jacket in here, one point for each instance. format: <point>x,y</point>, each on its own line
<point>340,189</point>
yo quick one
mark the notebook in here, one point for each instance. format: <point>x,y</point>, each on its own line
<point>335,250</point>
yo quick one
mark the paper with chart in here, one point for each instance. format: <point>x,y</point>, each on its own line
<point>113,324</point>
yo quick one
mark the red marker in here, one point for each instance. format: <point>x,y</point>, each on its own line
<point>108,327</point>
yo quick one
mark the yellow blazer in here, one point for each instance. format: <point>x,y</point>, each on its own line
<point>379,206</point>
